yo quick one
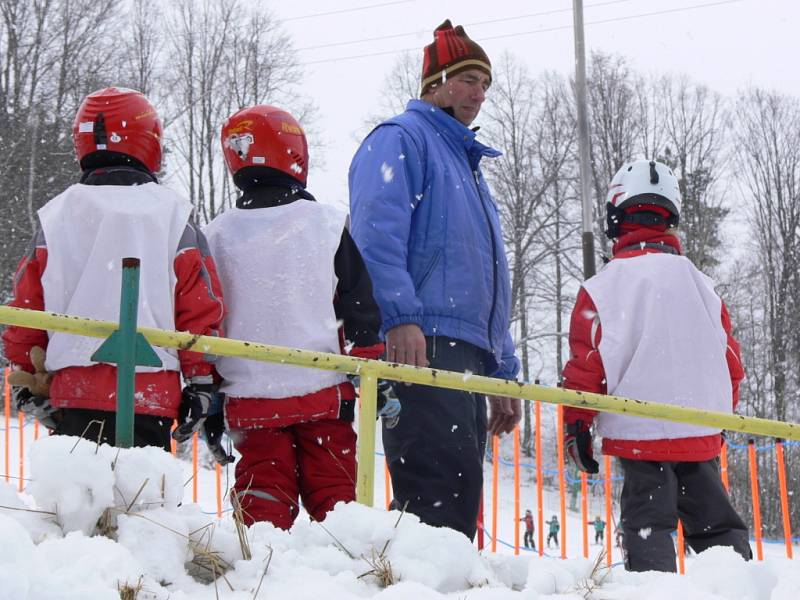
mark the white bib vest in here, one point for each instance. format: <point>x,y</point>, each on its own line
<point>89,230</point>
<point>662,341</point>
<point>276,269</point>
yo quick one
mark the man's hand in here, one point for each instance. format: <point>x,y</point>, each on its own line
<point>578,444</point>
<point>504,414</point>
<point>405,344</point>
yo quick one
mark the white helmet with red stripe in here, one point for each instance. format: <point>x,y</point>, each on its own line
<point>645,182</point>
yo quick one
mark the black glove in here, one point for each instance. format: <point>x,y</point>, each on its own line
<point>38,407</point>
<point>578,444</point>
<point>213,428</point>
<point>196,401</point>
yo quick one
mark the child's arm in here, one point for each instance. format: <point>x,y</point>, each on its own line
<point>199,306</point>
<point>28,293</point>
<point>354,303</point>
<point>733,355</point>
<point>584,371</point>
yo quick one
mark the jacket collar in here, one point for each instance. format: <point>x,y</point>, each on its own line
<point>453,128</point>
<point>622,247</point>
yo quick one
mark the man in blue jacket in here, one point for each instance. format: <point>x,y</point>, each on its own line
<point>430,235</point>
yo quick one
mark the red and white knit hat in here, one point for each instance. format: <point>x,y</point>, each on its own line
<point>451,52</point>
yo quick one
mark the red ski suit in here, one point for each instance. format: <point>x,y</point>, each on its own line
<point>584,370</point>
<point>198,309</point>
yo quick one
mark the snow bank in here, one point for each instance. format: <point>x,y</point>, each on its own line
<point>153,544</point>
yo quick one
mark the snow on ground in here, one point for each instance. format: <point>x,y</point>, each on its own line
<point>150,537</point>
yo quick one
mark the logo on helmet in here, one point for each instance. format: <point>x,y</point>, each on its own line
<point>290,128</point>
<point>240,143</point>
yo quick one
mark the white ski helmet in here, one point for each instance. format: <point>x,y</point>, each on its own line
<point>642,182</point>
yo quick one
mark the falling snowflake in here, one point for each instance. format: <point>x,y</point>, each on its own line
<point>387,172</point>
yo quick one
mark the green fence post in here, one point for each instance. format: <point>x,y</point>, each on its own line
<point>127,348</point>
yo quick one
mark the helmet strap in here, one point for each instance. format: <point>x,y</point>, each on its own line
<point>616,216</point>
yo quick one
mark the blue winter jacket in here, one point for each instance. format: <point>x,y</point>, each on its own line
<point>429,231</point>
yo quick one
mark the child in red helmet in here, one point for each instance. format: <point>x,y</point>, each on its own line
<point>650,326</point>
<point>74,264</point>
<point>292,277</point>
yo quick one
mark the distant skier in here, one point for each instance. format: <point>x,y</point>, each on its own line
<point>294,278</point>
<point>554,528</point>
<point>599,529</point>
<point>74,266</point>
<point>528,537</point>
<point>650,326</point>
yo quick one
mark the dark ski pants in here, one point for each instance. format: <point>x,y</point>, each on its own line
<point>435,453</point>
<point>528,540</point>
<point>554,537</point>
<point>656,494</point>
<point>598,537</point>
<point>148,430</point>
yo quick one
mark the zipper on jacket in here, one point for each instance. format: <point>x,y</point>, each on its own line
<point>494,261</point>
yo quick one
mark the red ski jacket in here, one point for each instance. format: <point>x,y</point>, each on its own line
<point>584,370</point>
<point>198,309</point>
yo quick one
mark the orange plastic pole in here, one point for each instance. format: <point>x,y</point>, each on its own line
<point>516,490</point>
<point>681,548</point>
<point>787,523</point>
<point>539,483</point>
<point>562,488</point>
<point>194,467</point>
<point>495,477</point>
<point>173,445</point>
<point>218,469</point>
<point>607,467</point>
<point>35,429</point>
<point>751,452</point>
<point>387,489</point>
<point>7,396</point>
<point>480,523</point>
<point>585,513</point>
<point>723,466</point>
<point>21,449</point>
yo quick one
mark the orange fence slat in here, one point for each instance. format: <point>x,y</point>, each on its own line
<point>7,412</point>
<point>751,452</point>
<point>21,416</point>
<point>517,484</point>
<point>495,482</point>
<point>609,513</point>
<point>218,472</point>
<point>681,549</point>
<point>723,466</point>
<point>387,486</point>
<point>562,488</point>
<point>194,467</point>
<point>539,483</point>
<point>787,523</point>
<point>585,513</point>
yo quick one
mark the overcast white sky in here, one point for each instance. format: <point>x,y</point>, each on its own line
<point>725,44</point>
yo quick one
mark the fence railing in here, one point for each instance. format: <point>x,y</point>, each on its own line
<point>372,370</point>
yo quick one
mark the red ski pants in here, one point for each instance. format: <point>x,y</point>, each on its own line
<point>313,461</point>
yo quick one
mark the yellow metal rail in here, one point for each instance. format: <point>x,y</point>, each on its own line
<point>372,370</point>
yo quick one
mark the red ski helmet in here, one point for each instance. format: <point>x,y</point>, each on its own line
<point>120,120</point>
<point>265,136</point>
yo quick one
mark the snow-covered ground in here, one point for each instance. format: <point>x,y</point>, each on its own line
<point>168,551</point>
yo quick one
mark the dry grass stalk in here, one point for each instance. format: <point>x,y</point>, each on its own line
<point>128,591</point>
<point>381,566</point>
<point>102,424</point>
<point>44,512</point>
<point>241,528</point>
<point>264,574</point>
<point>597,576</point>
